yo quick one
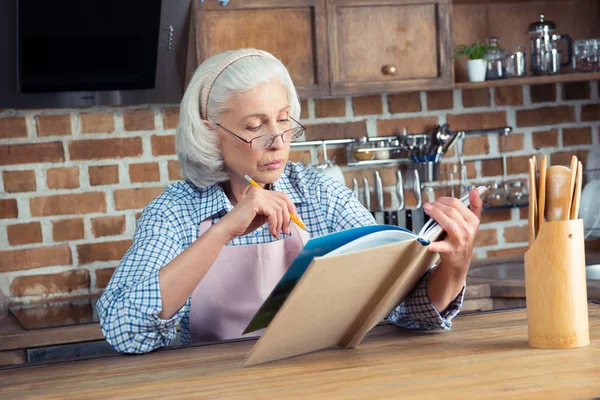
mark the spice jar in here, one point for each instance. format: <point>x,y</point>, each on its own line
<point>496,60</point>
<point>384,153</point>
<point>360,149</point>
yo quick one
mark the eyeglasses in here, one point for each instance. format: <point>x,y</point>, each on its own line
<point>265,141</point>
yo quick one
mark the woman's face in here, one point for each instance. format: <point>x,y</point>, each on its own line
<point>260,111</point>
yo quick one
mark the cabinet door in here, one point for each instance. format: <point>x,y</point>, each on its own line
<point>293,31</point>
<point>389,45</point>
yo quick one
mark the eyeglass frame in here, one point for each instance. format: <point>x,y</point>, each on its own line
<point>274,136</point>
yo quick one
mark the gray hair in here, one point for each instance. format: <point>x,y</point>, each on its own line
<point>198,147</point>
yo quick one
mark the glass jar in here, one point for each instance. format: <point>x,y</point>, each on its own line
<point>360,149</point>
<point>496,60</point>
<point>384,153</point>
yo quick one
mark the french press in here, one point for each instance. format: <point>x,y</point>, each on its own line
<point>545,54</point>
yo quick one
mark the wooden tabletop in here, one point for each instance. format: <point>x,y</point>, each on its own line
<point>483,356</point>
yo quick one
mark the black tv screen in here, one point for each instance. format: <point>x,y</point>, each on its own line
<point>77,45</point>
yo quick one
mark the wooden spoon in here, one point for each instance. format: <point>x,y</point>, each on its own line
<point>572,178</point>
<point>542,193</point>
<point>577,192</point>
<point>532,202</point>
<point>557,193</point>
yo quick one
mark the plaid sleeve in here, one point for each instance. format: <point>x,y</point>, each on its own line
<point>417,312</point>
<point>129,307</point>
<point>347,212</point>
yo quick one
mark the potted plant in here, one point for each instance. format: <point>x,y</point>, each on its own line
<point>477,63</point>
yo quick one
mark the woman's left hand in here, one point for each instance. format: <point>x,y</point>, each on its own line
<point>460,224</point>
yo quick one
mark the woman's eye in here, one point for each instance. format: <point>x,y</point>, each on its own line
<point>284,120</point>
<point>254,128</point>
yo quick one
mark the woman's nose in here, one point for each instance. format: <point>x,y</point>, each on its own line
<point>277,143</point>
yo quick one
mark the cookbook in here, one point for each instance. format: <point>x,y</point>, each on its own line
<point>339,287</point>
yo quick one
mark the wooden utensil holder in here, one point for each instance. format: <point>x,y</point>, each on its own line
<point>555,286</point>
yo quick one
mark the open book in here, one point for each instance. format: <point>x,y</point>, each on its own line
<point>339,287</point>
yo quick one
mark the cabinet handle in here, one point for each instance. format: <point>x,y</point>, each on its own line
<point>388,70</point>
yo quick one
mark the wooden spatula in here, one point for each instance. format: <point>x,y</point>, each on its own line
<point>572,178</point>
<point>532,201</point>
<point>542,193</point>
<point>558,194</point>
<point>577,192</point>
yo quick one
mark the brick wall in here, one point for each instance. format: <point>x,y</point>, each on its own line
<point>73,181</point>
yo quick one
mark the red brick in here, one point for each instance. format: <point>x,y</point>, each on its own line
<point>516,234</point>
<point>51,125</point>
<point>476,98</point>
<point>303,109</point>
<point>103,277</point>
<point>542,93</point>
<point>174,171</point>
<point>545,139</point>
<point>24,233</point>
<point>564,157</point>
<point>577,136</point>
<point>31,153</point>
<point>170,118</point>
<point>486,120</point>
<point>79,203</point>
<point>108,226</point>
<point>43,285</point>
<point>508,96</point>
<point>515,142</point>
<point>13,127</point>
<point>476,145</point>
<point>325,108</point>
<point>298,156</point>
<point>127,199</point>
<point>590,112</point>
<point>514,251</point>
<point>144,172</point>
<point>62,178</point>
<point>495,216</point>
<point>524,211</point>
<point>138,120</point>
<point>19,181</point>
<point>576,90</point>
<point>518,164</point>
<point>492,167</point>
<point>67,229</point>
<point>105,148</point>
<point>163,145</point>
<point>367,105</point>
<point>105,251</point>
<point>404,102</point>
<point>389,127</point>
<point>17,260</point>
<point>8,208</point>
<point>387,198</point>
<point>545,116</point>
<point>103,175</point>
<point>440,100</point>
<point>336,131</point>
<point>97,123</point>
<point>486,237</point>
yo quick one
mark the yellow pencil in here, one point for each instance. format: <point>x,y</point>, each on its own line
<point>292,216</point>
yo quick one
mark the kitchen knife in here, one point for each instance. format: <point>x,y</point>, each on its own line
<point>378,198</point>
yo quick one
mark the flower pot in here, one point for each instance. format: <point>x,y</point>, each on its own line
<point>476,70</point>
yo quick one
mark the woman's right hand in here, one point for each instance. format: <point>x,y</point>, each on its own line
<point>257,207</point>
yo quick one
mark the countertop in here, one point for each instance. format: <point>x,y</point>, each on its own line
<point>485,355</point>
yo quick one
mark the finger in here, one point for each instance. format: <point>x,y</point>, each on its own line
<point>286,216</point>
<point>272,215</point>
<point>448,224</point>
<point>475,202</point>
<point>440,247</point>
<point>289,203</point>
<point>458,205</point>
<point>281,212</point>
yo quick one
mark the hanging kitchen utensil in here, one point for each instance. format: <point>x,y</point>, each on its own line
<point>557,193</point>
<point>355,188</point>
<point>577,192</point>
<point>542,193</point>
<point>367,196</point>
<point>378,198</point>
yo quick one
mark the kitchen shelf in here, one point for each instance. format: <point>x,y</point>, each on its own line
<point>530,80</point>
<point>392,161</point>
<point>504,207</point>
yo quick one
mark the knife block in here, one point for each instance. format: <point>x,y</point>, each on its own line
<point>555,286</point>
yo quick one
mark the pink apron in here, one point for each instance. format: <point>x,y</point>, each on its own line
<point>239,281</point>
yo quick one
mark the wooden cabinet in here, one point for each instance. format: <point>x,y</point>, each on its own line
<point>291,30</point>
<point>386,46</point>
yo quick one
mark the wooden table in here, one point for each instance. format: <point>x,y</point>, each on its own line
<point>484,356</point>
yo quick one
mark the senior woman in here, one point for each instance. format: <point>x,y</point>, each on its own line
<point>208,251</point>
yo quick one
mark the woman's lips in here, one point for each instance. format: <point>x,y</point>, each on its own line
<point>273,164</point>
